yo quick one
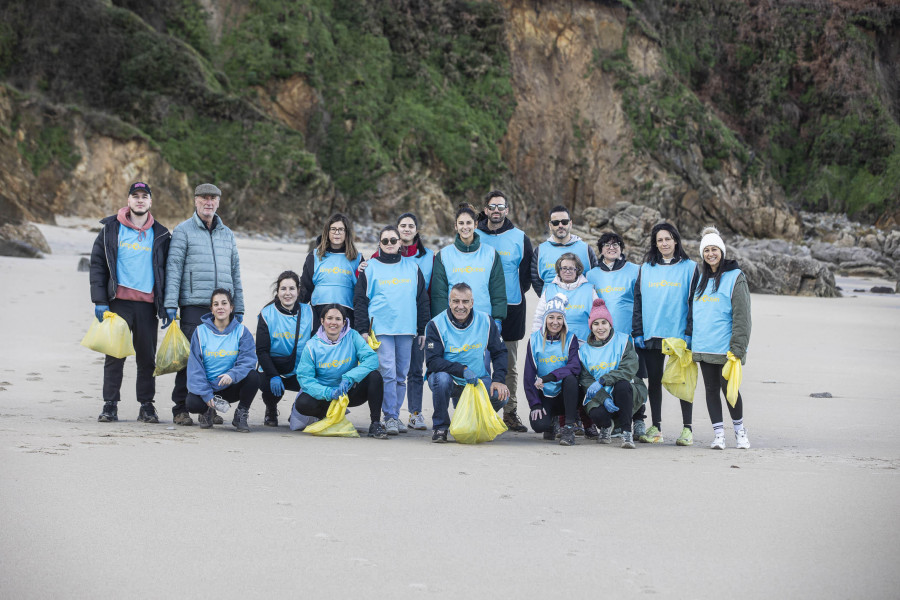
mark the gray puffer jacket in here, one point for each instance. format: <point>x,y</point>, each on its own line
<point>200,261</point>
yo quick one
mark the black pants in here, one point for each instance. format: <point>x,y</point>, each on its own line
<point>190,318</point>
<point>655,361</point>
<point>564,403</point>
<point>141,319</point>
<point>370,389</point>
<point>270,399</point>
<point>716,386</point>
<point>623,398</point>
<point>242,392</point>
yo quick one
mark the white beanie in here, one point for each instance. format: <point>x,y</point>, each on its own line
<point>556,304</point>
<point>711,237</point>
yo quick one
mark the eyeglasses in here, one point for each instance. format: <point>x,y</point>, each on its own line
<point>563,221</point>
<point>568,268</point>
<point>611,245</point>
<point>496,207</point>
<point>337,230</point>
<point>389,241</point>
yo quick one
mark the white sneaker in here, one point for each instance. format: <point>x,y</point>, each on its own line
<point>741,440</point>
<point>401,426</point>
<point>391,426</point>
<point>417,421</point>
<point>719,442</point>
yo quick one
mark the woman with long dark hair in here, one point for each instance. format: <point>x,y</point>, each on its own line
<point>329,273</point>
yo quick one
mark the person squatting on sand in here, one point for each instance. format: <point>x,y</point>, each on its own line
<point>283,327</point>
<point>222,364</point>
<point>721,315</point>
<point>330,271</point>
<point>127,275</point>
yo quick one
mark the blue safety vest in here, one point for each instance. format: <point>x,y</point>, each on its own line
<point>617,290</point>
<point>577,310</point>
<point>664,298</point>
<point>425,264</point>
<point>548,356</point>
<point>600,360</point>
<point>392,290</point>
<point>466,346</point>
<point>334,278</point>
<point>332,360</point>
<point>510,245</point>
<point>134,259</point>
<point>712,316</point>
<point>282,329</point>
<point>219,350</point>
<point>473,268</point>
<point>548,253</point>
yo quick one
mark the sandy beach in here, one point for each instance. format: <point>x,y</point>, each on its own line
<point>132,510</point>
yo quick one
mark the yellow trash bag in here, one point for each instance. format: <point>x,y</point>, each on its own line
<point>112,336</point>
<point>373,341</point>
<point>474,420</point>
<point>172,355</point>
<point>335,423</point>
<point>733,372</point>
<point>680,374</point>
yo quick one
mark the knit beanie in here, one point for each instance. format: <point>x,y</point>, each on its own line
<point>711,237</point>
<point>556,304</point>
<point>599,311</point>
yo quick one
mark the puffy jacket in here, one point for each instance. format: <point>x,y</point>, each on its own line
<point>105,254</point>
<point>200,261</point>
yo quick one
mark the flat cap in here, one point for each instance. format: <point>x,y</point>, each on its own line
<point>207,189</point>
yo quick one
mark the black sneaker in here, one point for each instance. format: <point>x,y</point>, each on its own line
<point>439,436</point>
<point>217,419</point>
<point>240,420</point>
<point>550,434</point>
<point>271,419</point>
<point>592,433</point>
<point>206,419</point>
<point>567,436</point>
<point>579,428</point>
<point>377,431</point>
<point>110,413</point>
<point>147,414</point>
<point>557,430</point>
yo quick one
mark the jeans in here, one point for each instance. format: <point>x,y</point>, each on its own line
<point>393,363</point>
<point>415,380</point>
<point>443,386</point>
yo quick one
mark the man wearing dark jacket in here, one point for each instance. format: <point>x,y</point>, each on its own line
<point>128,272</point>
<point>515,251</point>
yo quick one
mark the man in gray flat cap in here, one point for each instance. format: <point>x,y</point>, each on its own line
<point>202,257</point>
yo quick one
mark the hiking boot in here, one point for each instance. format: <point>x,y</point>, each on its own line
<point>567,435</point>
<point>639,429</point>
<point>240,420</point>
<point>592,433</point>
<point>147,414</point>
<point>653,436</point>
<point>183,419</point>
<point>271,418</point>
<point>439,436</point>
<point>417,421</point>
<point>579,428</point>
<point>206,419</point>
<point>741,440</point>
<point>627,440</point>
<point>605,435</point>
<point>513,423</point>
<point>376,430</point>
<point>718,442</point>
<point>686,438</point>
<point>110,413</point>
<point>616,432</point>
<point>217,420</point>
<point>391,426</point>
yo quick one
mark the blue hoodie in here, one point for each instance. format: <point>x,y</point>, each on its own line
<point>324,364</point>
<point>234,356</point>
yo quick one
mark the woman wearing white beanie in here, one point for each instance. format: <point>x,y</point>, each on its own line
<point>721,314</point>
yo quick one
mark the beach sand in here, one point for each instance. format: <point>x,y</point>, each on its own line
<point>131,510</point>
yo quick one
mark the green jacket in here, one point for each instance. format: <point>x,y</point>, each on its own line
<point>740,325</point>
<point>626,371</point>
<point>440,288</point>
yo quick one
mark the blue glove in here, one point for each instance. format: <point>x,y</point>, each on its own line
<point>239,317</point>
<point>99,309</point>
<point>592,391</point>
<point>470,376</point>
<point>499,325</point>
<point>639,342</point>
<point>687,340</point>
<point>277,386</point>
<point>170,316</point>
<point>345,386</point>
<point>610,406</point>
<point>336,393</point>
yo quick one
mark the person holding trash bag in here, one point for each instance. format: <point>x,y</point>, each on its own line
<point>455,343</point>
<point>222,364</point>
<point>282,330</point>
<point>338,361</point>
<point>128,275</point>
<point>609,366</point>
<point>329,273</point>
<point>662,302</point>
<point>391,302</point>
<point>721,315</point>
<point>551,373</point>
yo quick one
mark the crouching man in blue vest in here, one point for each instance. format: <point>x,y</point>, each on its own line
<point>455,341</point>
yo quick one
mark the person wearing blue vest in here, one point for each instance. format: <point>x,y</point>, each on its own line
<point>721,325</point>
<point>329,273</point>
<point>515,251</point>
<point>662,309</point>
<point>222,364</point>
<point>337,361</point>
<point>455,343</point>
<point>469,261</point>
<point>128,272</point>
<point>560,241</point>
<point>609,366</point>
<point>551,374</point>
<point>282,330</point>
<point>391,302</point>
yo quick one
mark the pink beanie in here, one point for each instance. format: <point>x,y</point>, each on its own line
<point>599,311</point>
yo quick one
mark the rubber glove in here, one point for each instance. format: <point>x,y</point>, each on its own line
<point>170,316</point>
<point>470,376</point>
<point>277,386</point>
<point>639,342</point>
<point>592,391</point>
<point>687,340</point>
<point>239,317</point>
<point>99,309</point>
<point>336,393</point>
<point>344,387</point>
<point>610,406</point>
<point>499,326</point>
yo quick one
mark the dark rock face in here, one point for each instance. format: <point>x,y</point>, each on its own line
<point>23,240</point>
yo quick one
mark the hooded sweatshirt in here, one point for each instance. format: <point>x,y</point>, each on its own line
<point>324,364</point>
<point>232,350</point>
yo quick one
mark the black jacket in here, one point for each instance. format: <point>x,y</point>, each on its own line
<point>103,263</point>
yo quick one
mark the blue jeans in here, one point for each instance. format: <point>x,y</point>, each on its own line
<point>393,364</point>
<point>415,380</point>
<point>443,387</point>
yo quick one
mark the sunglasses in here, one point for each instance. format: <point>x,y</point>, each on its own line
<point>389,241</point>
<point>496,207</point>
<point>563,221</point>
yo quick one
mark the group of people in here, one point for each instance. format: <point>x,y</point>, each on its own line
<point>377,329</point>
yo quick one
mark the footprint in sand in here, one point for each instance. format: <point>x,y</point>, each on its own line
<point>34,378</point>
<point>2,389</point>
<point>5,383</point>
